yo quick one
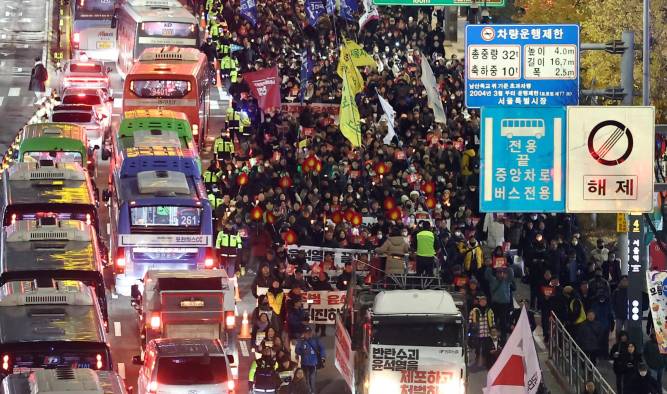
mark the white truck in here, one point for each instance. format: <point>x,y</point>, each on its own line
<point>408,341</point>
<point>187,304</point>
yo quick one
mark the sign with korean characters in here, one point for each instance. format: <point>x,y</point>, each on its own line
<point>325,305</point>
<point>522,159</point>
<point>656,282</point>
<point>453,3</point>
<point>521,65</point>
<point>610,159</point>
<point>636,275</point>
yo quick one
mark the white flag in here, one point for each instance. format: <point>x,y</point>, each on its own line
<point>370,13</point>
<point>391,115</point>
<point>434,101</point>
<point>517,370</point>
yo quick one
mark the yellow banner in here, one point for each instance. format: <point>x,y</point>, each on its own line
<point>621,223</point>
<point>346,66</point>
<point>359,56</point>
<point>349,115</point>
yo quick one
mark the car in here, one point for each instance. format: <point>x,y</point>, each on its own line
<point>85,73</point>
<point>175,365</point>
<point>98,98</point>
<point>96,126</point>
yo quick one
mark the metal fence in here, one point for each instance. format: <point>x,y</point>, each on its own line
<point>572,363</point>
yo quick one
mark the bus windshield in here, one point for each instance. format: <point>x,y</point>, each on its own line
<point>160,88</point>
<point>192,370</point>
<point>168,29</point>
<point>411,333</point>
<point>93,9</point>
<point>165,216</point>
<point>55,156</point>
<point>73,117</point>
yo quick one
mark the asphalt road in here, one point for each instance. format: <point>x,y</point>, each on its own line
<point>23,33</point>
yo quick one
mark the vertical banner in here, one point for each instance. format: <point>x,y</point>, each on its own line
<point>636,269</point>
<point>265,86</point>
<point>656,281</point>
<point>344,360</point>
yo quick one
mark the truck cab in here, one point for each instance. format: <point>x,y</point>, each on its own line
<point>187,304</point>
<point>410,341</point>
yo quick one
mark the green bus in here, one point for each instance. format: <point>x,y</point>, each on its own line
<point>55,142</point>
<point>152,128</point>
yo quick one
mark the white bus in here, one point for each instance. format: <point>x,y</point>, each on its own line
<point>92,34</point>
<point>142,24</point>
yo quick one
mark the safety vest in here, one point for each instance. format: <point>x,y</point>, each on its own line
<point>228,243</point>
<point>425,240</point>
<point>222,145</point>
<point>214,200</point>
<point>582,313</point>
<point>210,176</point>
<point>476,313</point>
<point>215,29</point>
<point>275,301</point>
<point>209,5</point>
<point>239,121</point>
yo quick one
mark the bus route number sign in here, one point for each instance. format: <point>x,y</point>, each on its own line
<point>522,65</point>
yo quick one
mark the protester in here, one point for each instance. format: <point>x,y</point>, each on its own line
<point>641,382</point>
<point>625,367</point>
<point>480,321</point>
<point>501,295</point>
<point>491,347</point>
<point>299,384</point>
<point>656,361</point>
<point>588,336</point>
<point>312,355</point>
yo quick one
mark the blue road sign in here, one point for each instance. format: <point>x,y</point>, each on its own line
<point>522,65</point>
<point>522,162</point>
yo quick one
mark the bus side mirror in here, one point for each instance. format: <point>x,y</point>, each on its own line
<point>106,195</point>
<point>114,21</point>
<point>136,360</point>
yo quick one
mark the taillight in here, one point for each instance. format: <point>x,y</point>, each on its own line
<point>88,215</point>
<point>120,260</point>
<point>209,258</point>
<point>5,362</point>
<point>98,363</point>
<point>230,319</point>
<point>195,129</point>
<point>13,218</point>
<point>152,387</point>
<point>77,38</point>
<point>230,385</point>
<point>155,321</point>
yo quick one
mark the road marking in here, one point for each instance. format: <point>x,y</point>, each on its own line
<point>214,104</point>
<point>116,328</point>
<point>244,348</point>
<point>1,100</point>
<point>118,103</point>
<point>13,92</point>
<point>121,370</point>
<point>114,296</point>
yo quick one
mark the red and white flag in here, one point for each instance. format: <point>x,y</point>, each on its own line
<point>265,87</point>
<point>517,370</point>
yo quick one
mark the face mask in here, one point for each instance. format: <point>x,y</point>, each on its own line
<point>575,242</point>
<point>379,235</point>
<point>643,373</point>
<point>457,233</point>
<point>405,233</point>
<point>533,217</point>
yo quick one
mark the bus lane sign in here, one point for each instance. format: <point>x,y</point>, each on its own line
<point>522,159</point>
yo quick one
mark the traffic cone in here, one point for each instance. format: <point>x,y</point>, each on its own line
<point>237,294</point>
<point>245,327</point>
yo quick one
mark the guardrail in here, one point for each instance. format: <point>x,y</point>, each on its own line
<point>571,362</point>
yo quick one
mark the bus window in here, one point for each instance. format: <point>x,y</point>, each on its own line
<point>55,156</point>
<point>168,29</point>
<point>160,88</point>
<point>165,216</point>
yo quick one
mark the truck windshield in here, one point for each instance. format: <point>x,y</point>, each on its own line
<point>410,333</point>
<point>192,370</point>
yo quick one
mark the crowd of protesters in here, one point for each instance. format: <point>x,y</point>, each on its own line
<point>266,191</point>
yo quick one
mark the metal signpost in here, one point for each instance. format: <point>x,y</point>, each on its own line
<point>521,65</point>
<point>610,159</point>
<point>454,3</point>
<point>523,159</point>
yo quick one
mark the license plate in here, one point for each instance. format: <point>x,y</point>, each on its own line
<point>167,32</point>
<point>104,44</point>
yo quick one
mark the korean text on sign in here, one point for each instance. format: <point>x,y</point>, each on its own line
<point>393,359</point>
<point>325,305</point>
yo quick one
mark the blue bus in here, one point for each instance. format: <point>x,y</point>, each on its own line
<point>160,217</point>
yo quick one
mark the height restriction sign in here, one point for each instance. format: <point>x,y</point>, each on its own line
<point>610,159</point>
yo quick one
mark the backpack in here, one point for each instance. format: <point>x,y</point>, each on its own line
<point>473,162</point>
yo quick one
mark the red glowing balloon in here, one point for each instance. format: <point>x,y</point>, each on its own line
<point>430,202</point>
<point>337,217</point>
<point>289,237</point>
<point>285,182</point>
<point>242,179</point>
<point>389,203</point>
<point>256,213</point>
<point>381,168</point>
<point>318,167</point>
<point>357,219</point>
<point>395,214</point>
<point>428,188</point>
<point>349,213</point>
<point>270,217</point>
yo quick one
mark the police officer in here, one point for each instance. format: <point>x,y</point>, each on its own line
<point>228,70</point>
<point>208,49</point>
<point>228,243</point>
<point>427,247</point>
<point>223,147</point>
<point>215,199</point>
<point>211,175</point>
<point>263,374</point>
<point>237,122</point>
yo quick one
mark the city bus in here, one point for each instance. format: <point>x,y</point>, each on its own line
<point>154,128</point>
<point>33,190</point>
<point>154,151</point>
<point>174,79</point>
<point>70,380</point>
<point>48,248</point>
<point>142,24</point>
<point>48,324</point>
<point>57,142</point>
<point>91,30</point>
<point>160,218</point>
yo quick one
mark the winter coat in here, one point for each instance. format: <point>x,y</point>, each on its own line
<point>500,289</point>
<point>637,384</point>
<point>652,355</point>
<point>588,334</point>
<point>619,301</point>
<point>298,387</point>
<point>311,351</point>
<point>394,245</point>
<point>38,78</point>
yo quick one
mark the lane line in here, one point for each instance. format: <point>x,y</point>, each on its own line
<point>244,348</point>
<point>215,105</point>
<point>121,370</point>
<point>1,100</point>
<point>118,103</point>
<point>116,328</point>
<point>13,92</point>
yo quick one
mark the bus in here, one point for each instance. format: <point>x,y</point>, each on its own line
<point>92,34</point>
<point>57,142</point>
<point>160,218</point>
<point>48,248</point>
<point>69,380</point>
<point>155,151</point>
<point>51,324</point>
<point>142,24</point>
<point>174,79</point>
<point>154,127</point>
<point>63,190</point>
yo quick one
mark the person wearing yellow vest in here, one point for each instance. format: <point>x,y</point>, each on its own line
<point>223,147</point>
<point>276,298</point>
<point>228,70</point>
<point>211,175</point>
<point>236,120</point>
<point>228,245</point>
<point>480,322</point>
<point>427,246</point>
<point>576,312</point>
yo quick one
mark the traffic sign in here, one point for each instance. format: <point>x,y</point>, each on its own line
<point>610,159</point>
<point>522,159</point>
<point>521,65</point>
<point>453,3</point>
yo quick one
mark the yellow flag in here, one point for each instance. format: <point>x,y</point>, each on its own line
<point>346,67</point>
<point>359,56</point>
<point>349,115</point>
